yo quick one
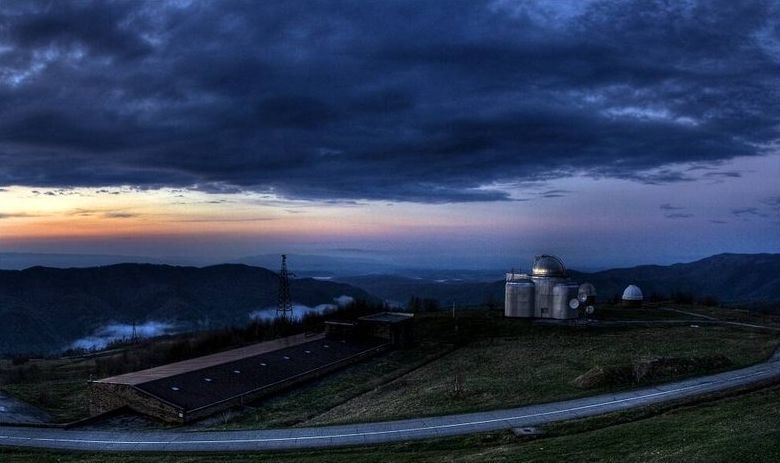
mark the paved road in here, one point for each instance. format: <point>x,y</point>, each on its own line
<point>685,312</point>
<point>388,431</point>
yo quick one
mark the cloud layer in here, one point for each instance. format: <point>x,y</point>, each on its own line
<point>422,101</point>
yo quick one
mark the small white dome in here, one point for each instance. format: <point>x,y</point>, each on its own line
<point>632,293</point>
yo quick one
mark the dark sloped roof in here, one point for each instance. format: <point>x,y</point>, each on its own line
<point>202,387</point>
<point>199,363</point>
<point>387,317</point>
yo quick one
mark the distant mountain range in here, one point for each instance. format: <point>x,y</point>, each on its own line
<point>321,266</point>
<point>43,309</point>
<point>728,277</point>
<point>23,260</point>
<point>304,265</point>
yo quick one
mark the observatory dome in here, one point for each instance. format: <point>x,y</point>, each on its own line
<point>632,293</point>
<point>548,266</point>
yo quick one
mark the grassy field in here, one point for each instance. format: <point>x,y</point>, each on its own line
<point>55,385</point>
<point>729,314</point>
<point>539,365</point>
<point>648,312</point>
<point>65,400</point>
<point>739,429</point>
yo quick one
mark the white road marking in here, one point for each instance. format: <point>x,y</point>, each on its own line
<point>374,433</point>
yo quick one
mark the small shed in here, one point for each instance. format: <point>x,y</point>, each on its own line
<point>397,327</point>
<point>341,329</point>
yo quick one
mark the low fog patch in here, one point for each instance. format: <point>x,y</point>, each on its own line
<point>113,332</point>
<point>343,300</point>
<point>299,310</point>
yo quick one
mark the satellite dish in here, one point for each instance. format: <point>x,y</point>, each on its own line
<point>582,297</point>
<point>590,310</point>
<point>574,303</point>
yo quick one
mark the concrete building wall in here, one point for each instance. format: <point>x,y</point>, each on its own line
<point>107,397</point>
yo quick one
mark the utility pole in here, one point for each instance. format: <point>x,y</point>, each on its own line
<point>454,320</point>
<point>284,310</point>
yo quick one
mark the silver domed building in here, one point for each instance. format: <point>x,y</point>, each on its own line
<point>547,292</point>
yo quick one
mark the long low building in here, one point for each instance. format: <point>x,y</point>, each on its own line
<point>192,389</point>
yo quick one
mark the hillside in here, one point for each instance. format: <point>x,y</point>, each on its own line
<point>43,309</point>
<point>398,289</point>
<point>731,278</point>
<point>728,277</point>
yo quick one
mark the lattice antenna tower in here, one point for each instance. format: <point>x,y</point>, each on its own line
<point>284,310</point>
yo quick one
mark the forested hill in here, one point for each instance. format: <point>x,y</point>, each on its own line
<point>46,308</point>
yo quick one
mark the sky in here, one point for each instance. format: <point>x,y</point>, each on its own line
<point>468,134</point>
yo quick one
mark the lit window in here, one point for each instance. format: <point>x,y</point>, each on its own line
<point>262,364</point>
<point>308,351</point>
<point>208,380</point>
<point>174,388</point>
<point>286,357</point>
<point>237,372</point>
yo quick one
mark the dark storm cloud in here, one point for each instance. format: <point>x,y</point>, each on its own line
<point>65,24</point>
<point>554,193</point>
<point>16,215</point>
<point>773,202</point>
<point>669,214</point>
<point>119,215</point>
<point>409,101</point>
<point>106,214</point>
<point>726,174</point>
<point>748,211</point>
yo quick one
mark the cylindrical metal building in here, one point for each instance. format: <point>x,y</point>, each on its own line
<point>519,299</point>
<point>564,301</point>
